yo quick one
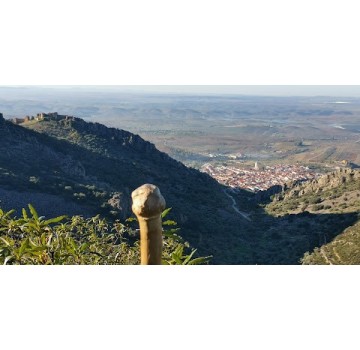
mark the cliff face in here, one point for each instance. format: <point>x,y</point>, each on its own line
<point>336,192</point>
<point>326,182</point>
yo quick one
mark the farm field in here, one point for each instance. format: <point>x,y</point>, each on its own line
<point>321,132</point>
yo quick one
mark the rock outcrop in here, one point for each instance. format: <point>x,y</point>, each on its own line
<point>323,183</point>
<point>121,202</point>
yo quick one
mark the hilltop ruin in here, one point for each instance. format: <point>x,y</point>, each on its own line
<point>42,116</point>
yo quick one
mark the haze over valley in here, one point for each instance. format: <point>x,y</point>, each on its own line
<point>197,129</point>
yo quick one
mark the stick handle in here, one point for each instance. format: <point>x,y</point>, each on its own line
<point>148,204</point>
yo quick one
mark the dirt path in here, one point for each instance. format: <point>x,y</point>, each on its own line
<point>325,257</point>
<point>235,207</point>
<point>337,255</point>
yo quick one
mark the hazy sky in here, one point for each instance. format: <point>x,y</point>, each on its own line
<point>265,90</point>
<point>269,90</point>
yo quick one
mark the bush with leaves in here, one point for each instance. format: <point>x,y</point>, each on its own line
<point>33,240</point>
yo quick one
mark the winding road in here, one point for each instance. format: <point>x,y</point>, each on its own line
<point>235,207</point>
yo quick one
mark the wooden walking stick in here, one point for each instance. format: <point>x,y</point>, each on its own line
<point>148,204</point>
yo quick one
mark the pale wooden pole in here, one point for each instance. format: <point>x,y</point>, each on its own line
<point>148,204</point>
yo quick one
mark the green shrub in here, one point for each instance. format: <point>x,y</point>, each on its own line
<point>33,240</point>
<point>315,200</point>
<point>318,207</point>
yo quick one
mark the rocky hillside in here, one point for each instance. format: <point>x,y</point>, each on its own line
<point>69,166</point>
<point>98,167</point>
<point>335,192</point>
<point>343,250</point>
<point>333,198</point>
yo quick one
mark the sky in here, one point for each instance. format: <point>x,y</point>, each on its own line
<point>256,90</point>
<point>179,42</point>
<point>266,90</point>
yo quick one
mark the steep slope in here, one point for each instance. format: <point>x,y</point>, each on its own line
<point>343,250</point>
<point>335,192</point>
<point>67,165</point>
<point>334,198</point>
<point>98,167</point>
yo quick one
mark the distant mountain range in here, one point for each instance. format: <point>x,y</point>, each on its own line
<point>64,165</point>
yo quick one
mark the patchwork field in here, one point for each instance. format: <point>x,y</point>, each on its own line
<point>319,131</point>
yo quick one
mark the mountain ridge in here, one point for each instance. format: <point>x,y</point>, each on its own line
<point>95,168</point>
<point>91,164</point>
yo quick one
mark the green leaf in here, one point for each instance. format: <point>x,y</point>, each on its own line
<point>174,236</point>
<point>5,241</point>
<point>98,254</point>
<point>170,232</point>
<point>24,213</point>
<point>38,249</point>
<point>169,223</point>
<point>188,258</point>
<point>32,225</point>
<point>7,214</point>
<point>165,212</point>
<point>72,243</point>
<point>8,258</point>
<point>84,246</point>
<point>32,243</point>
<point>54,220</point>
<point>33,212</point>
<point>176,258</point>
<point>23,246</point>
<point>179,250</point>
<point>131,219</point>
<point>199,261</point>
